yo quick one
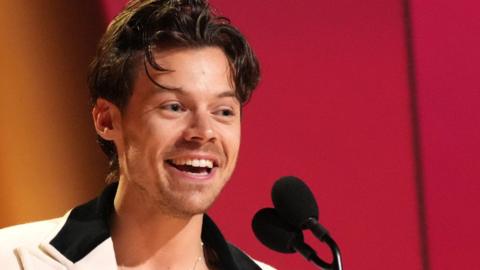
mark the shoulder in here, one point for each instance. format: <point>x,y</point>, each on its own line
<point>29,235</point>
<point>264,266</point>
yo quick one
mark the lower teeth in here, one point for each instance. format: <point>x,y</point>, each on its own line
<point>198,173</point>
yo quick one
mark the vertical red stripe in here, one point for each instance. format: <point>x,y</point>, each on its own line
<point>446,38</point>
<point>416,139</point>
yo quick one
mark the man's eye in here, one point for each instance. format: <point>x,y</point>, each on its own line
<point>174,107</point>
<point>226,112</point>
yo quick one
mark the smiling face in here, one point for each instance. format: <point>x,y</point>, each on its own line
<point>179,140</point>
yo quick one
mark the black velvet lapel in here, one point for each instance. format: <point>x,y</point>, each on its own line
<point>87,226</point>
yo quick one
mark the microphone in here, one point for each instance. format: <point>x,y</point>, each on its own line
<point>295,203</point>
<point>277,235</point>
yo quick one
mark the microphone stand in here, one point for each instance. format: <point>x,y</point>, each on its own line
<point>322,234</point>
<point>310,255</point>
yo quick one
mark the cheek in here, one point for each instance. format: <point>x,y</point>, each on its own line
<point>153,135</point>
<point>232,140</point>
<point>161,134</point>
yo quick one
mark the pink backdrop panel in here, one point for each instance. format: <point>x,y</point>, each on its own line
<point>447,42</point>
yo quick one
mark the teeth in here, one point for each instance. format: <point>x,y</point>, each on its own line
<point>194,162</point>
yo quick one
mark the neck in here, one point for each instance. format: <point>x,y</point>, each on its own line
<point>147,238</point>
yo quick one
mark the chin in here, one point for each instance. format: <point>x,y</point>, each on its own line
<point>187,206</point>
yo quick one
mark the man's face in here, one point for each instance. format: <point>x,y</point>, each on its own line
<point>179,143</point>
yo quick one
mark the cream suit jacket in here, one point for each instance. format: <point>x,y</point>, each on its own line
<point>80,240</point>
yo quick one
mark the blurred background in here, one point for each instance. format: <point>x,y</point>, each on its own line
<point>374,103</point>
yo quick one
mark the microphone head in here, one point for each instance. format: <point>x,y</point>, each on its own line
<point>294,201</point>
<point>274,233</point>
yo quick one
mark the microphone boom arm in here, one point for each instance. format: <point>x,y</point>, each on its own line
<point>310,254</point>
<point>322,234</point>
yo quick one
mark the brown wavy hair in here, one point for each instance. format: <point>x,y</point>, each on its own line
<point>146,24</point>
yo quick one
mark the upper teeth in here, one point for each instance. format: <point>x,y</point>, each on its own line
<point>194,162</point>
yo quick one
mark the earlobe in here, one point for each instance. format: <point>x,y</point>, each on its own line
<point>104,115</point>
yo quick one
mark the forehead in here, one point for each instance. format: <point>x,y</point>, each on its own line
<point>179,56</point>
<point>194,62</point>
<point>205,68</point>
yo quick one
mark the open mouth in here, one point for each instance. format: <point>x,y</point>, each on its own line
<point>193,166</point>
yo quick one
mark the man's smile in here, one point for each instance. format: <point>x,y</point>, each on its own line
<point>195,166</point>
<point>201,166</point>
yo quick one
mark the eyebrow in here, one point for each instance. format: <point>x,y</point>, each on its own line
<point>228,93</point>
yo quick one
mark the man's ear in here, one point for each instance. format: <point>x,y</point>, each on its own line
<point>106,118</point>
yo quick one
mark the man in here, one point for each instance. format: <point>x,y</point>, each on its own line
<point>168,84</point>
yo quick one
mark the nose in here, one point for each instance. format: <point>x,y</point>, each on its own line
<point>200,128</point>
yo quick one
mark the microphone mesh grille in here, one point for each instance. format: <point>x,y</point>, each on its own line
<point>294,201</point>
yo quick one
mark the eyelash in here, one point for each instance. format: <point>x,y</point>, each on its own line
<point>174,107</point>
<point>226,112</point>
<point>177,107</point>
